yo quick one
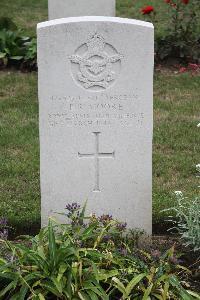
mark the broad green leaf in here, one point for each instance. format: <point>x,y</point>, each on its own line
<point>87,232</point>
<point>166,290</point>
<point>183,293</point>
<point>57,284</point>
<point>92,295</point>
<point>62,270</point>
<point>184,268</point>
<point>10,286</point>
<point>119,285</point>
<point>68,285</point>
<point>16,57</point>
<point>49,287</point>
<point>195,295</point>
<point>39,261</point>
<point>105,274</point>
<point>41,297</point>
<point>2,55</point>
<point>134,282</point>
<point>83,296</point>
<point>96,288</point>
<point>147,292</point>
<point>23,292</point>
<point>157,296</point>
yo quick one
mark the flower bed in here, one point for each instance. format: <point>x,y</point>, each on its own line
<point>92,258</point>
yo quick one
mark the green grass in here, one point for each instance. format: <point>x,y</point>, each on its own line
<point>19,149</point>
<point>176,136</point>
<point>176,144</point>
<point>27,13</point>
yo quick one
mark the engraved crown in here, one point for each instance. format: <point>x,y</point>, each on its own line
<point>96,43</point>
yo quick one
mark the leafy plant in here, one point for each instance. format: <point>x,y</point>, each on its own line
<point>14,47</point>
<point>181,37</point>
<point>31,51</point>
<point>78,261</point>
<point>187,220</point>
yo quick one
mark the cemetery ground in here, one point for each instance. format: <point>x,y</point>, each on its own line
<point>176,145</point>
<point>176,148</point>
<point>176,136</point>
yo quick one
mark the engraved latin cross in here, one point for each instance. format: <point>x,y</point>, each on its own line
<point>97,155</point>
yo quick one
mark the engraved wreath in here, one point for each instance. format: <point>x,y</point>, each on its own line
<point>98,63</point>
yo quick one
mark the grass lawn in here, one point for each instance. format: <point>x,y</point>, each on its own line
<point>27,13</point>
<point>176,136</point>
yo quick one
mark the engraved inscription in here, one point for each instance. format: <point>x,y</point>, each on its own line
<point>96,155</point>
<point>96,64</point>
<point>100,109</point>
<point>95,119</point>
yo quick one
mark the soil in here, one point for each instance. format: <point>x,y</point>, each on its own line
<point>185,256</point>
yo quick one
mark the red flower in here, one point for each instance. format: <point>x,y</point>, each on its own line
<point>168,1</point>
<point>185,1</point>
<point>193,67</point>
<point>147,10</point>
<point>182,70</point>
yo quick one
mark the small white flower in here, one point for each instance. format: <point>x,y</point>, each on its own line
<point>178,194</point>
<point>198,125</point>
<point>198,168</point>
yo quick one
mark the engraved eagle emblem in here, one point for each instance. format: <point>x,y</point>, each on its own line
<point>96,65</point>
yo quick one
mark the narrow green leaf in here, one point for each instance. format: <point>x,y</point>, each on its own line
<point>52,244</point>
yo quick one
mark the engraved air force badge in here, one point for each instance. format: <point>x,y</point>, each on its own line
<point>96,64</point>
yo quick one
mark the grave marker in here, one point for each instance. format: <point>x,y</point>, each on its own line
<point>96,109</point>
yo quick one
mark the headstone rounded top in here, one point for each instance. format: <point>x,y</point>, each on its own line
<point>94,19</point>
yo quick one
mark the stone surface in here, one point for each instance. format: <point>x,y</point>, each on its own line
<point>74,8</point>
<point>96,109</point>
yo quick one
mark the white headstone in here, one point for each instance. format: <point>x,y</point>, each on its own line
<point>74,8</point>
<point>96,108</point>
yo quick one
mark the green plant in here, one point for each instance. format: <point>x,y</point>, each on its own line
<point>11,46</point>
<point>187,220</point>
<point>14,46</point>
<point>77,261</point>
<point>182,36</point>
<point>31,51</point>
